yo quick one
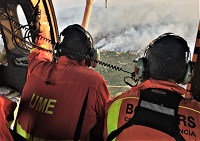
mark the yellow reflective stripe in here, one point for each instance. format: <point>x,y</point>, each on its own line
<point>22,132</point>
<point>113,114</point>
<point>42,46</point>
<point>27,136</point>
<point>191,109</point>
<point>33,49</point>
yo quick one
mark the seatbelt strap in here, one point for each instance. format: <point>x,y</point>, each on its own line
<point>163,118</point>
<point>81,118</point>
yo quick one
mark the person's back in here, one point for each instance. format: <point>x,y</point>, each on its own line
<point>155,109</point>
<point>65,99</point>
<point>189,112</point>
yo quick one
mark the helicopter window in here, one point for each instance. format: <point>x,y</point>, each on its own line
<point>21,15</point>
<point>2,52</point>
<point>64,14</point>
<point>124,29</point>
<point>23,21</point>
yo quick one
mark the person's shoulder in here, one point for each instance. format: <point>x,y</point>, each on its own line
<point>95,74</point>
<point>128,94</point>
<point>190,103</point>
<point>41,55</point>
<point>119,97</point>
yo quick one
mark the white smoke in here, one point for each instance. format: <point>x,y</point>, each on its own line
<point>130,25</point>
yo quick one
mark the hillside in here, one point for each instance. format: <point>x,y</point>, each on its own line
<point>115,78</point>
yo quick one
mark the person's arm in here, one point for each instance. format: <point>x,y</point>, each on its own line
<point>36,55</point>
<point>7,108</point>
<point>43,43</point>
<point>103,96</point>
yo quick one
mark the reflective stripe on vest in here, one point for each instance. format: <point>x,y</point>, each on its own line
<point>27,136</point>
<point>190,109</point>
<point>157,108</point>
<point>22,132</point>
<point>113,114</point>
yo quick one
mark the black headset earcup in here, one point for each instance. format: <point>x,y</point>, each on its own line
<point>189,73</point>
<point>94,55</point>
<point>141,69</point>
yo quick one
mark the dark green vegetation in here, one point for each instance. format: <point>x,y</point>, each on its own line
<point>115,78</point>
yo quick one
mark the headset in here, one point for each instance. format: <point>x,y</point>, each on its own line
<point>141,68</point>
<point>92,53</point>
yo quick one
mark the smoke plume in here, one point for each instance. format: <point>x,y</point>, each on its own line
<point>130,25</point>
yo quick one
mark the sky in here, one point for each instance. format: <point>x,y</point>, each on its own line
<point>129,25</point>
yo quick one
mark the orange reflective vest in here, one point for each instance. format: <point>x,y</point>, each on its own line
<point>7,108</point>
<point>121,108</point>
